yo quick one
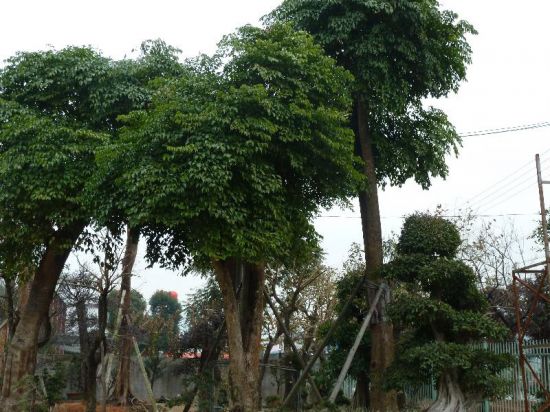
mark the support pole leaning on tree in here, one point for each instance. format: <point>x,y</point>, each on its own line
<point>324,342</point>
<point>353,350</point>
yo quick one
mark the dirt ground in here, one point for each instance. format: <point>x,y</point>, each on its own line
<point>77,406</point>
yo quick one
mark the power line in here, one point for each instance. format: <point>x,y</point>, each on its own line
<point>508,192</point>
<point>504,183</point>
<point>505,129</point>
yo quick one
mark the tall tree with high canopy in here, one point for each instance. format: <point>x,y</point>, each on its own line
<point>400,52</point>
<point>230,164</point>
<point>56,109</point>
<point>440,312</point>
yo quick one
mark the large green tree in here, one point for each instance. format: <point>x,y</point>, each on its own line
<point>56,109</point>
<point>440,313</point>
<point>400,52</point>
<point>230,164</point>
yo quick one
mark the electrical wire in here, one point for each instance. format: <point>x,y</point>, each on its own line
<point>509,194</point>
<point>502,184</point>
<point>505,129</point>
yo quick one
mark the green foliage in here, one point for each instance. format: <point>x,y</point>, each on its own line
<point>245,153</point>
<point>440,313</point>
<point>428,235</point>
<point>138,305</point>
<point>164,305</point>
<point>168,311</point>
<point>55,382</point>
<point>44,165</point>
<point>400,52</point>
<point>203,317</point>
<point>57,108</point>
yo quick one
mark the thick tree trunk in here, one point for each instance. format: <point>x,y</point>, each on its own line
<point>244,326</point>
<point>21,357</point>
<point>382,350</point>
<point>449,396</point>
<point>122,388</point>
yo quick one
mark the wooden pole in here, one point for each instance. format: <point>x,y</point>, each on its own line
<point>543,211</point>
<point>353,350</point>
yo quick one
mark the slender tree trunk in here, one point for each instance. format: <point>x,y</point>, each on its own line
<point>244,325</point>
<point>21,358</point>
<point>122,389</point>
<point>84,341</point>
<point>290,375</point>
<point>267,353</point>
<point>382,350</point>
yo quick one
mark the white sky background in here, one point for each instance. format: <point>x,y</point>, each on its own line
<point>508,84</point>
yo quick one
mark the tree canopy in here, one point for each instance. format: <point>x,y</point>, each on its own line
<point>57,108</point>
<point>400,52</point>
<point>245,152</point>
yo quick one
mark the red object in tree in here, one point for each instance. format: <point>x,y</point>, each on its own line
<point>173,294</point>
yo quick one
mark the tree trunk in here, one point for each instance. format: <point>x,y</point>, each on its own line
<point>21,357</point>
<point>267,353</point>
<point>84,341</point>
<point>122,388</point>
<point>10,293</point>
<point>244,326</point>
<point>382,350</point>
<point>88,356</point>
<point>290,373</point>
<point>449,396</point>
<point>361,395</point>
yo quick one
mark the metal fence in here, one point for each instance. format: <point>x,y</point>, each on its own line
<point>538,353</point>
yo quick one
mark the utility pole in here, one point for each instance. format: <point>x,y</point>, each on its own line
<point>543,210</point>
<point>542,272</point>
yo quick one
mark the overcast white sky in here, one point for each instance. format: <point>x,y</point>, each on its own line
<point>508,85</point>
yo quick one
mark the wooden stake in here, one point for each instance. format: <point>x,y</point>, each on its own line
<point>145,377</point>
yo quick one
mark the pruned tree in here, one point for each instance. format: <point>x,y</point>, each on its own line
<point>440,313</point>
<point>400,52</point>
<point>235,159</point>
